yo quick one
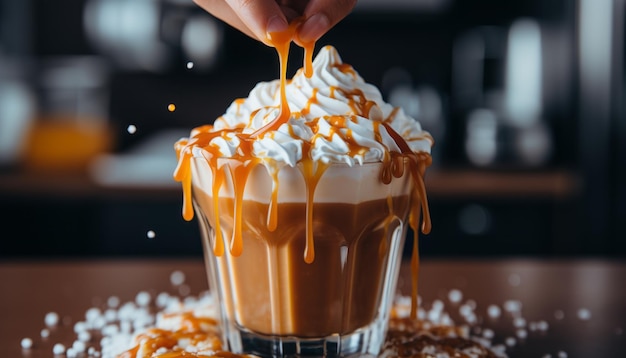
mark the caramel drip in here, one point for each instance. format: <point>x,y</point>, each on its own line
<point>239,171</point>
<point>340,122</point>
<point>191,329</point>
<point>218,179</point>
<point>243,162</point>
<point>272,211</point>
<point>309,47</point>
<point>312,100</point>
<point>357,101</point>
<point>281,41</point>
<point>312,173</point>
<point>200,137</point>
<point>345,68</point>
<point>417,166</point>
<point>392,115</point>
<point>239,102</point>
<point>415,261</point>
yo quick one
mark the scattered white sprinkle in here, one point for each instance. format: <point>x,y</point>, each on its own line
<point>558,314</point>
<point>493,311</point>
<point>151,234</point>
<point>446,320</point>
<point>488,333</point>
<point>91,351</point>
<point>177,278</point>
<point>499,349</point>
<point>437,305</point>
<point>98,322</point>
<point>542,326</point>
<point>26,343</point>
<point>512,306</point>
<point>84,336</point>
<point>80,326</point>
<point>110,329</point>
<point>482,341</point>
<point>143,298</point>
<point>125,326</point>
<point>162,299</point>
<point>51,319</point>
<point>71,353</point>
<point>584,314</point>
<point>471,318</point>
<point>113,301</point>
<point>161,350</point>
<point>189,65</point>
<point>465,310</point>
<point>521,333</point>
<point>562,354</point>
<point>131,129</point>
<point>455,296</point>
<point>79,346</point>
<point>45,333</point>
<point>110,315</point>
<point>515,279</point>
<point>510,341</point>
<point>58,349</point>
<point>471,303</point>
<point>92,314</point>
<point>519,322</point>
<point>434,315</point>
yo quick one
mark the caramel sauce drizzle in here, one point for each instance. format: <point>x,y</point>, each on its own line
<point>309,47</point>
<point>243,162</point>
<point>191,329</point>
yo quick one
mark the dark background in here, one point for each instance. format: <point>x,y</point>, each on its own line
<point>100,66</point>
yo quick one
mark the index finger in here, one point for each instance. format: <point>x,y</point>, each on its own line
<point>260,16</point>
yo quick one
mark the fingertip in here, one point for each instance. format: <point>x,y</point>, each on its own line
<point>313,28</point>
<point>276,23</point>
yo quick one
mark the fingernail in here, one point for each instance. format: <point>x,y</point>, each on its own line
<point>313,28</point>
<point>275,24</point>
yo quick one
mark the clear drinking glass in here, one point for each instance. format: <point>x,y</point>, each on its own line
<point>275,304</point>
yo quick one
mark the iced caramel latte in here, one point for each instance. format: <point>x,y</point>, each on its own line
<point>304,192</point>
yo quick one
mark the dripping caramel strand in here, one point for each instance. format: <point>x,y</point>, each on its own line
<point>281,40</point>
<point>243,162</point>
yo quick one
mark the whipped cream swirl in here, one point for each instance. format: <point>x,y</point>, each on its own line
<point>334,113</point>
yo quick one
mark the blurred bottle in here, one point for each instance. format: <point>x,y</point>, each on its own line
<point>498,85</point>
<point>71,125</point>
<point>17,107</point>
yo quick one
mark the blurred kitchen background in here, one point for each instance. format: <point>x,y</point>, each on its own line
<point>525,100</point>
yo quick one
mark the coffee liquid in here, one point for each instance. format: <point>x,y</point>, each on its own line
<point>270,289</point>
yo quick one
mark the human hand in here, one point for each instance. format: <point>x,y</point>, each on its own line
<point>258,18</point>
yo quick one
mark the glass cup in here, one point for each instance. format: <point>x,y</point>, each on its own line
<point>272,302</point>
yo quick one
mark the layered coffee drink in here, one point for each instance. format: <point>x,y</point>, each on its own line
<point>304,192</point>
<point>271,287</point>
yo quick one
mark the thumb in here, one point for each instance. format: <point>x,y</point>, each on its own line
<point>321,16</point>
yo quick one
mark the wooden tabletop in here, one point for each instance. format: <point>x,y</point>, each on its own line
<point>583,302</point>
